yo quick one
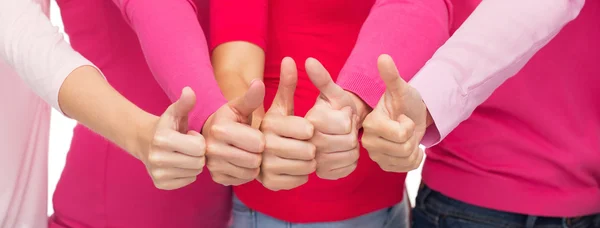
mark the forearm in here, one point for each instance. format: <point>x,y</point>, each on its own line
<point>408,31</point>
<point>86,97</point>
<point>176,51</point>
<point>236,64</point>
<point>492,45</point>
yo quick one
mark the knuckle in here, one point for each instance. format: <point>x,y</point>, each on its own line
<point>162,186</point>
<point>255,161</point>
<point>218,130</point>
<point>199,163</point>
<point>158,174</point>
<point>374,156</point>
<point>326,176</point>
<point>354,155</point>
<point>403,134</point>
<point>156,159</point>
<point>312,151</point>
<point>160,139</point>
<point>387,168</point>
<point>368,142</point>
<point>212,149</point>
<point>267,123</point>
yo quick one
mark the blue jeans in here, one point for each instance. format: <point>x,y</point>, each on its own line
<point>434,210</point>
<point>393,217</point>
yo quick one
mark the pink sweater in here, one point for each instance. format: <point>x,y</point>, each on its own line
<point>148,50</point>
<point>533,147</point>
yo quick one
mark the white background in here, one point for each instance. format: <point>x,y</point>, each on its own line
<point>61,131</point>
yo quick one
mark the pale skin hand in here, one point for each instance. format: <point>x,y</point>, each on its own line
<point>289,157</point>
<point>234,148</point>
<point>395,127</point>
<point>336,122</point>
<point>175,155</point>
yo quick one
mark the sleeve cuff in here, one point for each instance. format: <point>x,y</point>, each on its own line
<point>369,90</point>
<point>204,108</point>
<point>444,99</point>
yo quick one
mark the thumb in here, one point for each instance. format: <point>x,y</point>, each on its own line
<point>388,72</point>
<point>330,91</point>
<point>252,99</point>
<point>287,85</point>
<point>184,104</point>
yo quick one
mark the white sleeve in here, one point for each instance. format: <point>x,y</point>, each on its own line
<point>35,49</point>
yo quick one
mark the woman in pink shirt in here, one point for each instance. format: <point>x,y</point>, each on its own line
<point>149,60</point>
<point>70,83</point>
<point>522,152</point>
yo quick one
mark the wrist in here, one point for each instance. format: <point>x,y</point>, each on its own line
<point>362,108</point>
<point>428,118</point>
<point>139,140</point>
<point>206,125</point>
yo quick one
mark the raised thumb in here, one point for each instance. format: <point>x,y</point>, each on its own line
<point>388,72</point>
<point>184,104</point>
<point>252,99</point>
<point>330,91</point>
<point>284,99</point>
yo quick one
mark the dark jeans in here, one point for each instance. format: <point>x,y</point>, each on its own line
<point>434,210</point>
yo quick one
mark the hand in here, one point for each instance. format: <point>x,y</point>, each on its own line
<point>334,117</point>
<point>395,127</point>
<point>175,155</point>
<point>288,158</point>
<point>233,147</point>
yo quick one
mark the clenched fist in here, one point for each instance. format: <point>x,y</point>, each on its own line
<point>175,156</point>
<point>289,157</point>
<point>395,127</point>
<point>335,120</point>
<point>234,148</point>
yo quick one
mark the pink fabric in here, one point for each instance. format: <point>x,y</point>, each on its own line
<point>387,30</point>
<point>34,61</point>
<point>103,186</point>
<point>533,146</point>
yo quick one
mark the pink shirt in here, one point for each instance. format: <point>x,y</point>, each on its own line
<point>148,50</point>
<point>532,147</point>
<point>34,61</point>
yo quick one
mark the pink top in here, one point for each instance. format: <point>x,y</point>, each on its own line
<point>533,146</point>
<point>148,55</point>
<point>38,54</point>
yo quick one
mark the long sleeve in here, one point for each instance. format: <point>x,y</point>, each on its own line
<point>408,30</point>
<point>492,45</point>
<point>244,20</point>
<point>175,48</point>
<point>36,49</point>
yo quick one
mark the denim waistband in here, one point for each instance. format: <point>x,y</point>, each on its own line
<point>433,201</point>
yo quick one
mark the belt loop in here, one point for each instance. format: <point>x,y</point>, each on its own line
<point>530,222</point>
<point>422,195</point>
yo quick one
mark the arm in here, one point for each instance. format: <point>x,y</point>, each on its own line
<point>176,51</point>
<point>238,31</point>
<point>409,31</point>
<point>492,45</point>
<point>63,78</point>
<point>66,80</point>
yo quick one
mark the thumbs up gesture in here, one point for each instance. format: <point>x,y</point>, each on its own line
<point>395,127</point>
<point>288,158</point>
<point>233,147</point>
<point>175,155</point>
<point>334,117</point>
